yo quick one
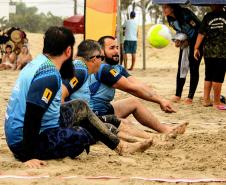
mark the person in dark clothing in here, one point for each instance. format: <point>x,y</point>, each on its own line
<point>182,20</point>
<point>213,32</point>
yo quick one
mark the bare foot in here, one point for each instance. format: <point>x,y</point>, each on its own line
<point>130,148</point>
<point>207,103</point>
<point>179,129</point>
<point>188,101</point>
<point>160,139</point>
<point>175,99</point>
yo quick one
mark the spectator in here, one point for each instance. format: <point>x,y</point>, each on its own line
<point>9,59</point>
<point>23,58</point>
<point>182,20</point>
<point>130,43</point>
<point>213,32</point>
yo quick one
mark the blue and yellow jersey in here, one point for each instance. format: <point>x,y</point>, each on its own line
<point>78,86</point>
<point>102,92</point>
<point>39,83</point>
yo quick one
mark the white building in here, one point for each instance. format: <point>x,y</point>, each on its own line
<point>4,9</point>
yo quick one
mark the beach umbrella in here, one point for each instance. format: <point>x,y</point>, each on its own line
<point>207,2</point>
<point>194,2</point>
<point>170,1</point>
<point>75,23</point>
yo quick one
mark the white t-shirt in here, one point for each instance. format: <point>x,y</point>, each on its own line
<point>130,30</point>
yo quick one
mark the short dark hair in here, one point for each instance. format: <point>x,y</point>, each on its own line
<point>132,14</point>
<point>101,40</point>
<point>87,47</point>
<point>57,39</point>
<point>178,12</point>
<point>8,46</point>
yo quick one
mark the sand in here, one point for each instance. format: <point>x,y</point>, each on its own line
<point>199,153</point>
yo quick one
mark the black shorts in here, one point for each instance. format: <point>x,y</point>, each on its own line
<point>110,110</point>
<point>55,143</point>
<point>215,69</point>
<point>130,47</point>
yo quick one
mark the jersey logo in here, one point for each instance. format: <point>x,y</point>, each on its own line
<point>114,72</point>
<point>73,82</point>
<point>47,95</point>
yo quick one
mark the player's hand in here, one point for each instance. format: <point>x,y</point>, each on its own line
<point>177,43</point>
<point>35,163</point>
<point>196,54</point>
<point>166,106</point>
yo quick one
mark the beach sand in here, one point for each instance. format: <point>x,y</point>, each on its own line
<point>199,153</point>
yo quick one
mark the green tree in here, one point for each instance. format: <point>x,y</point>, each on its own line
<point>28,19</point>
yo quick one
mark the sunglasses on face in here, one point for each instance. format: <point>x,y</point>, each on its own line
<point>98,57</point>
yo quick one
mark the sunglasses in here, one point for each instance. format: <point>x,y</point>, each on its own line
<point>98,57</point>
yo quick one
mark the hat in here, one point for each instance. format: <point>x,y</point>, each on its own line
<point>16,36</point>
<point>180,37</point>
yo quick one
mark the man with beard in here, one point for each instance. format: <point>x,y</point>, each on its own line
<point>32,126</point>
<point>113,76</point>
<point>76,93</point>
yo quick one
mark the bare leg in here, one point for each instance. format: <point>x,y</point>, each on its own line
<point>133,61</point>
<point>125,126</point>
<point>129,138</point>
<point>123,108</point>
<point>207,89</point>
<point>217,93</point>
<point>126,129</point>
<point>125,60</point>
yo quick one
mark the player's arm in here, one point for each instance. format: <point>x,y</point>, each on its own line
<point>137,89</point>
<point>124,81</point>
<point>65,93</point>
<point>39,97</point>
<point>70,86</point>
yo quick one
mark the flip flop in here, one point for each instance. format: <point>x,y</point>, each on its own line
<point>221,107</point>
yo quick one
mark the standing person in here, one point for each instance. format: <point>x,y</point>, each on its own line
<point>182,20</point>
<point>213,32</point>
<point>130,43</point>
